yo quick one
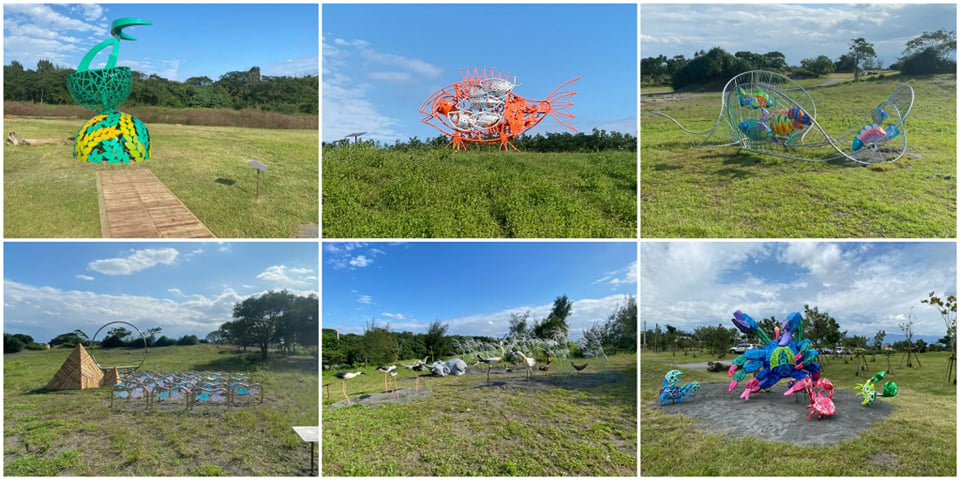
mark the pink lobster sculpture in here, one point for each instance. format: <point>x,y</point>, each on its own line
<point>820,404</point>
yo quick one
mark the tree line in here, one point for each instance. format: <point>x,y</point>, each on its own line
<point>820,327</point>
<point>596,141</point>
<point>291,95</point>
<point>277,319</point>
<point>928,53</point>
<point>378,345</point>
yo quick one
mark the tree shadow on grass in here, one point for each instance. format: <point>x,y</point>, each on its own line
<point>662,167</point>
<point>252,361</point>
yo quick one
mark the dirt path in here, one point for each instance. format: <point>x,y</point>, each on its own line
<point>773,416</point>
<point>403,395</point>
<point>829,83</point>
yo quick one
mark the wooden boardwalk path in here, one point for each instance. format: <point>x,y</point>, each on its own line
<point>134,203</point>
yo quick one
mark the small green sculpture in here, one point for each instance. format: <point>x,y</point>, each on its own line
<point>111,136</point>
<point>870,394</point>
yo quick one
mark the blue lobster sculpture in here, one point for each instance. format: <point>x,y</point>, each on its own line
<point>672,391</point>
<point>786,356</point>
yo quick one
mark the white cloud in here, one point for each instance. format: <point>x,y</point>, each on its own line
<point>294,67</point>
<point>365,299</point>
<point>340,247</point>
<point>40,309</point>
<point>84,277</point>
<point>91,11</point>
<point>822,260</point>
<point>282,274</point>
<point>864,286</point>
<point>825,29</point>
<point>46,16</point>
<point>395,316</point>
<point>623,276</point>
<point>350,255</point>
<point>136,261</point>
<point>393,77</point>
<point>585,313</point>
<point>346,104</point>
<point>35,31</point>
<point>360,261</point>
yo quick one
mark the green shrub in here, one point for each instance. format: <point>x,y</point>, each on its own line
<point>11,344</point>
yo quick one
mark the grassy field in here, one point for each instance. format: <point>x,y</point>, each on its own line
<point>921,433</point>
<point>48,193</point>
<point>75,433</point>
<point>467,430</point>
<point>720,192</point>
<point>441,193</point>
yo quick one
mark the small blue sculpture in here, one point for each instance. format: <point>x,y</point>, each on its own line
<point>672,391</point>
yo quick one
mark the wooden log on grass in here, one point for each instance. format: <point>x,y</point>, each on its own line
<point>14,139</point>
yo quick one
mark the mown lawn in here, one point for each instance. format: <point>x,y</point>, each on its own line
<point>720,192</point>
<point>76,433</point>
<point>50,194</point>
<point>921,433</point>
<point>478,194</point>
<point>467,429</point>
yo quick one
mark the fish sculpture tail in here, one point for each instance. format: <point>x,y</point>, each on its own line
<point>558,103</point>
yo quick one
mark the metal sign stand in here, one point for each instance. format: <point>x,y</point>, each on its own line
<point>260,168</point>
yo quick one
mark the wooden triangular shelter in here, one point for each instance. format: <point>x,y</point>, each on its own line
<point>78,372</point>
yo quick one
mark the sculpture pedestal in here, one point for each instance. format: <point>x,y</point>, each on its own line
<point>112,138</point>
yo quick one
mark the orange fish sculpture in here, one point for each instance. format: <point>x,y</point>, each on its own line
<point>483,109</point>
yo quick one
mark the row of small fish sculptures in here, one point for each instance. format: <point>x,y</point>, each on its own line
<point>193,387</point>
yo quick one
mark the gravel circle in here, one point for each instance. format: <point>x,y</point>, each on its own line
<point>403,395</point>
<point>776,417</point>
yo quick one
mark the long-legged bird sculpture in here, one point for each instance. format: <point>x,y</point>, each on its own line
<point>418,367</point>
<point>490,361</point>
<point>386,370</point>
<point>344,376</point>
<point>530,362</point>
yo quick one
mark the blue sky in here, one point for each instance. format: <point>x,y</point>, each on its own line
<point>183,287</point>
<point>185,40</point>
<point>865,286</point>
<point>381,62</point>
<point>798,31</point>
<point>472,286</point>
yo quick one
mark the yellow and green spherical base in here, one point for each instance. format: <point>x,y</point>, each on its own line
<point>112,138</point>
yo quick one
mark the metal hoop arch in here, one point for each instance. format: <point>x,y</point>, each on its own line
<point>94,338</point>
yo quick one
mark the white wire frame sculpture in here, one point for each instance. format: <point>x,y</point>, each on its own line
<point>769,114</point>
